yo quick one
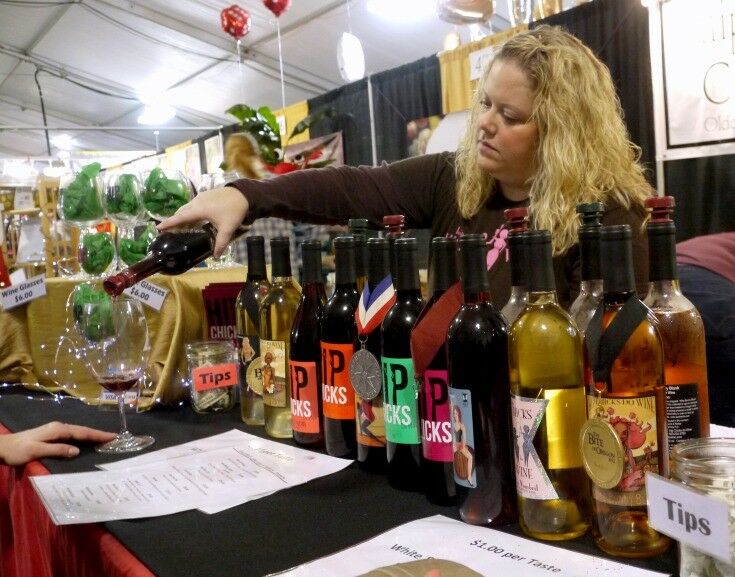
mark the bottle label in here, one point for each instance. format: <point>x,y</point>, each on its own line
<point>304,397</point>
<point>370,421</point>
<point>436,430</point>
<point>251,365</point>
<point>532,480</point>
<point>463,437</point>
<point>400,401</point>
<point>338,396</point>
<point>682,412</point>
<point>633,419</point>
<point>273,373</point>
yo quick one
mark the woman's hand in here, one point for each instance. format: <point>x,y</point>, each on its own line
<point>225,208</point>
<point>39,443</point>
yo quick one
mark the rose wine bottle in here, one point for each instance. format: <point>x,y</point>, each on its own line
<point>247,324</point>
<point>370,419</point>
<point>516,219</point>
<point>436,432</point>
<point>548,406</point>
<point>305,359</point>
<point>683,403</point>
<point>171,252</point>
<point>276,320</point>
<point>619,441</point>
<point>400,389</point>
<point>338,344</point>
<point>479,396</point>
<point>590,286</point>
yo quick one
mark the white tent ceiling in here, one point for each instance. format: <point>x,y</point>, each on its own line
<point>92,58</point>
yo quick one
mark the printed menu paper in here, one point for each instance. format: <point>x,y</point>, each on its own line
<point>450,544</point>
<point>211,475</point>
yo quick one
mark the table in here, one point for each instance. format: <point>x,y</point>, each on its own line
<point>29,337</point>
<point>260,537</point>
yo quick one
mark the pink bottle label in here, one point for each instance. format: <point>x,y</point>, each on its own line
<point>436,430</point>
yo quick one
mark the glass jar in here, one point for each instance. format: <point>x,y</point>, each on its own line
<point>214,375</point>
<point>707,465</point>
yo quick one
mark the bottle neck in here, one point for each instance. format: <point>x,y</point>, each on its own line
<point>539,298</point>
<point>591,287</point>
<point>664,288</point>
<point>518,294</point>
<point>116,284</point>
<point>662,252</point>
<point>589,253</point>
<point>518,259</point>
<point>474,296</point>
<point>617,298</point>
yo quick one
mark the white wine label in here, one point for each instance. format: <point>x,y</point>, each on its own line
<point>273,371</point>
<point>682,412</point>
<point>463,437</point>
<point>532,480</point>
<point>633,419</point>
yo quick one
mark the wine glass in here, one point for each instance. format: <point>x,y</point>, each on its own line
<point>115,348</point>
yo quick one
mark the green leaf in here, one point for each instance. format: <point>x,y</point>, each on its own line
<point>311,120</point>
<point>96,252</point>
<point>261,124</point>
<point>80,200</point>
<point>270,118</point>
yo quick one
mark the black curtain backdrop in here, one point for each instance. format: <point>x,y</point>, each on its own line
<point>351,116</point>
<point>400,95</point>
<point>617,31</point>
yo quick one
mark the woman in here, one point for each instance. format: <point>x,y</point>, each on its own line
<point>545,130</point>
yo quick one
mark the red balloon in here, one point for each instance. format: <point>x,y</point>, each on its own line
<point>278,7</point>
<point>235,21</point>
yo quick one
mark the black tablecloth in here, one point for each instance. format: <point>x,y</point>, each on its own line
<point>260,537</point>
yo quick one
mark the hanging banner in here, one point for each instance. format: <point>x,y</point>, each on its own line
<point>698,41</point>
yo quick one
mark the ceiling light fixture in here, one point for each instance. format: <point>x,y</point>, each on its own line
<point>402,10</point>
<point>63,141</point>
<point>154,114</point>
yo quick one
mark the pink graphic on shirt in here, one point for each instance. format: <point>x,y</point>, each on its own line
<point>497,244</point>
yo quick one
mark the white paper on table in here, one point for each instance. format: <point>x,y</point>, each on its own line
<point>720,431</point>
<point>483,550</point>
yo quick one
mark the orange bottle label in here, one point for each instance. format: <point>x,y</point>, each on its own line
<point>215,376</point>
<point>338,396</point>
<point>304,397</point>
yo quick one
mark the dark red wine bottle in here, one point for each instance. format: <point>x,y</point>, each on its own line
<point>171,252</point>
<point>305,355</point>
<point>400,389</point>
<point>434,409</point>
<point>479,393</point>
<point>358,230</point>
<point>371,454</point>
<point>393,225</point>
<point>338,344</point>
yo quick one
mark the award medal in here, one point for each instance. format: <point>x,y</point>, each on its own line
<point>365,372</point>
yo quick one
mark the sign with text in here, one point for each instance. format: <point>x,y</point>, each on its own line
<point>23,293</point>
<point>479,59</point>
<point>689,516</point>
<point>699,71</point>
<point>148,293</point>
<point>442,544</point>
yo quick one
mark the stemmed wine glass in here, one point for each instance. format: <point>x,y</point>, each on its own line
<point>115,348</point>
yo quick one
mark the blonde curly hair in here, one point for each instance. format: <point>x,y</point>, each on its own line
<point>584,152</point>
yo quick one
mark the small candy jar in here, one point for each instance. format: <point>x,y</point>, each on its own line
<point>164,192</point>
<point>215,375</point>
<point>707,465</point>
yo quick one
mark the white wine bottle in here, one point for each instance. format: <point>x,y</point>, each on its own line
<point>548,407</point>
<point>276,319</point>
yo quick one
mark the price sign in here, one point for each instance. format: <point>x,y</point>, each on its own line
<point>23,293</point>
<point>23,200</point>
<point>148,293</point>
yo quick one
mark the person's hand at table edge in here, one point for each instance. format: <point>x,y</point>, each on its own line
<point>42,442</point>
<point>225,208</point>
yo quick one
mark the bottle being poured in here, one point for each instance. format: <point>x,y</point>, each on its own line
<point>171,253</point>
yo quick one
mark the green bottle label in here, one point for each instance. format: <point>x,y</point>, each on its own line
<point>401,393</point>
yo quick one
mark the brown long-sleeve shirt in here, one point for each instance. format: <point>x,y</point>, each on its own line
<point>424,190</point>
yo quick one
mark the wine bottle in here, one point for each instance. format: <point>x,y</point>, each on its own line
<point>590,286</point>
<point>171,253</point>
<point>393,225</point>
<point>683,403</point>
<point>619,441</point>
<point>377,299</point>
<point>479,396</point>
<point>247,324</point>
<point>434,410</point>
<point>305,358</point>
<point>358,229</point>
<point>516,219</point>
<point>400,389</point>
<point>338,344</point>
<point>276,319</point>
<point>548,406</point>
